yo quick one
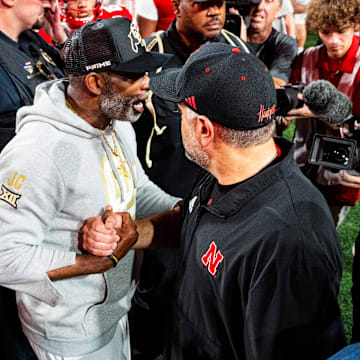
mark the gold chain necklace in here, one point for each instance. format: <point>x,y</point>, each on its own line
<point>116,151</point>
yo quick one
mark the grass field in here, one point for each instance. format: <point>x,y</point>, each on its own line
<point>347,233</point>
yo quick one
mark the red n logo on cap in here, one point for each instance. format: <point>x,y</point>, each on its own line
<point>191,101</point>
<point>212,258</point>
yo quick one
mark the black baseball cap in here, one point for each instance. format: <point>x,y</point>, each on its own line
<point>109,45</point>
<point>231,87</point>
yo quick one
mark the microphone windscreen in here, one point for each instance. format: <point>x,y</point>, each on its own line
<point>327,102</point>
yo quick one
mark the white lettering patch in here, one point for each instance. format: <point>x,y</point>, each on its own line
<point>9,197</point>
<point>98,65</point>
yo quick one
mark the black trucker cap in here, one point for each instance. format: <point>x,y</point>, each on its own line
<point>109,45</point>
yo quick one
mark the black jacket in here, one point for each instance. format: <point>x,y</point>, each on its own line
<point>19,75</point>
<point>260,271</point>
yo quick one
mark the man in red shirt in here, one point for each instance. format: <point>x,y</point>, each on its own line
<point>337,60</point>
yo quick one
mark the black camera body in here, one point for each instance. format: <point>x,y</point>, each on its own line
<point>243,6</point>
<point>233,21</point>
<point>334,153</point>
<point>287,98</point>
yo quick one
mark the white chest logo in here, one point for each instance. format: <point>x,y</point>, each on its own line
<point>192,203</point>
<point>135,38</point>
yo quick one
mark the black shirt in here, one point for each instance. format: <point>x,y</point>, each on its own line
<point>260,271</point>
<point>277,53</point>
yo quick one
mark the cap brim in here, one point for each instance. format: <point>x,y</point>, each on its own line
<point>146,62</point>
<point>163,85</point>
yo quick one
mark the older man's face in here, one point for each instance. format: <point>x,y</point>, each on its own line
<point>263,14</point>
<point>124,96</point>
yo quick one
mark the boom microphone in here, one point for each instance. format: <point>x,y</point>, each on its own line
<point>327,102</point>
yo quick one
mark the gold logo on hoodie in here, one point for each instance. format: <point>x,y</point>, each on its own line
<point>16,181</point>
<point>9,197</point>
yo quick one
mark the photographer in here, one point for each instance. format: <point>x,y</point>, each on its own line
<point>275,49</point>
<point>337,60</point>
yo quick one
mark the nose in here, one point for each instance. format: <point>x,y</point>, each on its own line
<point>144,82</point>
<point>333,38</point>
<point>214,10</point>
<point>82,4</point>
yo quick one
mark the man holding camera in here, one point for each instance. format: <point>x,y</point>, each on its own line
<point>337,60</point>
<point>275,49</point>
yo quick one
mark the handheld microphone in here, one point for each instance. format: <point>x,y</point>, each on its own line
<point>327,102</point>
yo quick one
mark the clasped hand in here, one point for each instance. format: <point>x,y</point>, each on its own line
<point>111,233</point>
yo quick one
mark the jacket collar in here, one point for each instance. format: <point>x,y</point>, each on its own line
<point>182,51</point>
<point>242,193</point>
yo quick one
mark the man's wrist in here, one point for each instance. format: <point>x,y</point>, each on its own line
<point>114,259</point>
<point>59,46</point>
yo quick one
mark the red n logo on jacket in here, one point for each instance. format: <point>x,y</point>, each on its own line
<point>212,258</point>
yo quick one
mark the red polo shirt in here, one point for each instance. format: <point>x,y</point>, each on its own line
<point>332,72</point>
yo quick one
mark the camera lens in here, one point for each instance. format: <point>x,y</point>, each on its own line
<point>338,155</point>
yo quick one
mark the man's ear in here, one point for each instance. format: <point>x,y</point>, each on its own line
<point>176,5</point>
<point>204,131</point>
<point>95,83</point>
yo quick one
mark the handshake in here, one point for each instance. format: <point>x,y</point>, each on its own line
<point>112,235</point>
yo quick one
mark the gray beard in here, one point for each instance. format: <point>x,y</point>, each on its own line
<point>194,153</point>
<point>116,106</point>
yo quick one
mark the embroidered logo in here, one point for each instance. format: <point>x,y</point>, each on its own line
<point>135,38</point>
<point>212,259</point>
<point>192,203</point>
<point>9,197</point>
<point>16,181</point>
<point>191,101</point>
<point>265,113</point>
